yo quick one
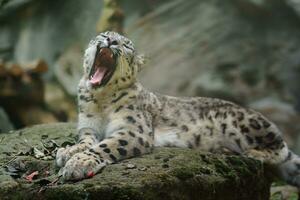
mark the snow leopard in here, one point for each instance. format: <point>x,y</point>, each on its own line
<point>120,119</point>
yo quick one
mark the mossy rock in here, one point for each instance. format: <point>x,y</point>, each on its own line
<point>167,173</point>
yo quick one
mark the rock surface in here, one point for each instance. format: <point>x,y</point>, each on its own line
<point>168,173</point>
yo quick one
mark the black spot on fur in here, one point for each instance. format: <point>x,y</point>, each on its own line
<point>276,144</point>
<point>141,141</point>
<point>119,97</point>
<point>147,144</point>
<point>106,150</point>
<point>164,119</point>
<point>173,124</point>
<point>232,134</point>
<point>244,129</point>
<point>238,142</point>
<point>209,118</point>
<point>259,140</point>
<point>249,139</point>
<point>123,79</point>
<point>223,126</point>
<point>130,119</point>
<point>114,159</point>
<point>131,134</point>
<point>103,145</point>
<point>86,99</point>
<point>136,151</point>
<point>89,115</point>
<point>123,142</point>
<point>234,123</point>
<point>240,116</point>
<point>98,161</point>
<point>232,113</point>
<point>270,136</point>
<point>95,152</point>
<point>122,151</point>
<point>87,153</point>
<point>217,114</point>
<point>184,128</point>
<point>210,129</point>
<point>190,145</point>
<point>266,124</point>
<point>254,124</point>
<point>118,109</point>
<point>197,140</point>
<point>141,130</point>
<point>130,107</point>
<point>289,156</point>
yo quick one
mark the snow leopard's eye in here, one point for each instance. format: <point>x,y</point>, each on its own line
<point>115,42</point>
<point>128,47</point>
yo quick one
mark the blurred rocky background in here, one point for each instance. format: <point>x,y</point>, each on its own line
<point>246,51</point>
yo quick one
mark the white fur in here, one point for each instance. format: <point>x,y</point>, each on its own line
<point>166,136</point>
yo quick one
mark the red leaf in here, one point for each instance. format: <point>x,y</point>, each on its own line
<point>31,176</point>
<point>90,174</point>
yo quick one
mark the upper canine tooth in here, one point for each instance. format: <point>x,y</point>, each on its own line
<point>111,55</point>
<point>100,50</point>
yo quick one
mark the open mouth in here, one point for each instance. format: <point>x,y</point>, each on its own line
<point>103,67</point>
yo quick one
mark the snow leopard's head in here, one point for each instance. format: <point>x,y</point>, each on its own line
<point>111,59</point>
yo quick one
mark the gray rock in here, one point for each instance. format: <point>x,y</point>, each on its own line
<point>295,5</point>
<point>172,173</point>
<point>244,47</point>
<point>68,69</point>
<point>51,28</point>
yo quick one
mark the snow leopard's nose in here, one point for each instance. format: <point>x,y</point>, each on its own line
<point>111,42</point>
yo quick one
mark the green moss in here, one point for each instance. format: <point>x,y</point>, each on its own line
<point>279,196</point>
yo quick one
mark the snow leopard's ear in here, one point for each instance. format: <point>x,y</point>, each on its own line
<point>140,61</point>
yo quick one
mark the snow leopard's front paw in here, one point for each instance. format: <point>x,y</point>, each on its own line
<point>64,154</point>
<point>82,165</point>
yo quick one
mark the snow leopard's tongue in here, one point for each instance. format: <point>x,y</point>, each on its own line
<point>98,75</point>
<point>103,67</point>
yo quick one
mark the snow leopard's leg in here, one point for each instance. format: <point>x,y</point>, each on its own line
<point>89,127</point>
<point>87,138</point>
<point>131,136</point>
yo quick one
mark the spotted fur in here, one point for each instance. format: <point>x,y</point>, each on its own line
<point>122,120</point>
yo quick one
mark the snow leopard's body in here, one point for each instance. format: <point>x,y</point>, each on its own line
<point>121,119</point>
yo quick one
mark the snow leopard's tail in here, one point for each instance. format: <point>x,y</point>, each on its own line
<point>289,170</point>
